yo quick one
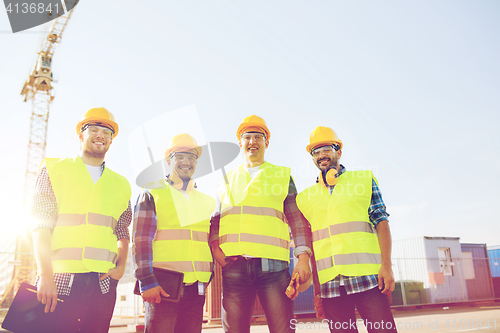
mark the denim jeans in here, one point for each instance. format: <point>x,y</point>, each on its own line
<point>186,316</point>
<point>242,279</point>
<point>372,305</point>
<point>86,290</point>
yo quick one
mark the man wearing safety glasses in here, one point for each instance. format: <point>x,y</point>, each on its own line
<point>250,238</point>
<point>171,226</point>
<point>81,212</point>
<point>351,239</point>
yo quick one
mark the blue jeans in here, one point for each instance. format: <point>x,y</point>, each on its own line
<point>86,290</point>
<point>186,316</point>
<point>372,305</point>
<point>242,279</point>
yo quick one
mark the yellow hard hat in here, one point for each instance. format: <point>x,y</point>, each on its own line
<point>182,142</point>
<point>253,121</point>
<point>322,136</point>
<point>98,116</point>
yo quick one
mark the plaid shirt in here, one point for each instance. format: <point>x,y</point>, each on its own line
<point>357,284</point>
<point>143,235</point>
<point>44,214</point>
<point>298,224</point>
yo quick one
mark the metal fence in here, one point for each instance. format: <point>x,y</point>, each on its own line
<point>418,282</point>
<point>422,281</point>
<point>436,280</point>
<point>8,263</point>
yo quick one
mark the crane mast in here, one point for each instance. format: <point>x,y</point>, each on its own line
<point>37,89</point>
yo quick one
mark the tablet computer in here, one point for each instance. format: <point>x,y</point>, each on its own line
<point>171,281</point>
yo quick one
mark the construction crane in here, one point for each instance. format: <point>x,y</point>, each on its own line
<point>37,89</point>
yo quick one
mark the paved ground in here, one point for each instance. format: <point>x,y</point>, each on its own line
<point>481,318</point>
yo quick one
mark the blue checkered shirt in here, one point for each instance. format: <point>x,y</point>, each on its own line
<point>357,284</point>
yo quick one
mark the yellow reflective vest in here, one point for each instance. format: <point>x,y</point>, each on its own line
<point>252,219</point>
<point>83,239</point>
<point>181,241</point>
<point>344,240</point>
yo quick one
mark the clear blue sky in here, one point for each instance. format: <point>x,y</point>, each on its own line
<point>411,88</point>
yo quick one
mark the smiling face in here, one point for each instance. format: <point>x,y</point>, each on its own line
<point>326,158</point>
<point>253,145</point>
<point>95,141</point>
<point>183,164</point>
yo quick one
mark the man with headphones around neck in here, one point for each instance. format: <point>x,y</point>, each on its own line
<point>249,235</point>
<point>351,239</point>
<point>171,226</point>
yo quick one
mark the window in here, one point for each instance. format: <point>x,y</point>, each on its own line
<point>445,262</point>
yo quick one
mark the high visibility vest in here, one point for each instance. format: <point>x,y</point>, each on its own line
<point>83,239</point>
<point>181,241</point>
<point>344,240</point>
<point>252,219</point>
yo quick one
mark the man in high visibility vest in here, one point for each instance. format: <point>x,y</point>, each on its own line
<point>81,211</point>
<point>171,226</point>
<point>249,235</point>
<point>351,239</point>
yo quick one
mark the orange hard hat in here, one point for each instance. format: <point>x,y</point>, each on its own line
<point>322,136</point>
<point>253,121</point>
<point>182,143</point>
<point>98,116</point>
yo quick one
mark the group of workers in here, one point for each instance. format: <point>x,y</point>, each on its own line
<point>339,225</point>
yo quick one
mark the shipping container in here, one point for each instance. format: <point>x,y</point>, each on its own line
<point>494,255</point>
<point>414,293</point>
<point>435,264</point>
<point>477,271</point>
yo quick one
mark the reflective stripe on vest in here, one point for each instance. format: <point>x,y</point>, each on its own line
<point>355,226</point>
<point>185,266</point>
<point>181,234</point>
<point>265,211</point>
<point>181,241</point>
<point>349,259</point>
<point>83,239</point>
<point>93,218</point>
<point>252,220</point>
<point>344,240</point>
<point>74,253</point>
<point>260,239</point>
